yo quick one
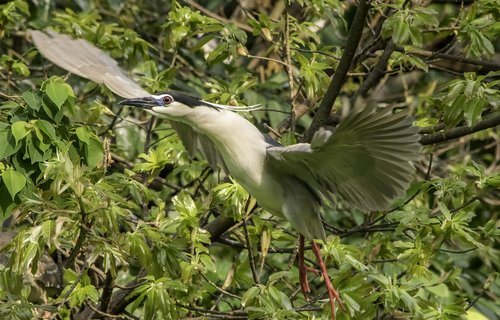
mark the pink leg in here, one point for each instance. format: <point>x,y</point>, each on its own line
<point>332,293</point>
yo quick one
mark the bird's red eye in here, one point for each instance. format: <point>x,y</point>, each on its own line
<point>167,100</point>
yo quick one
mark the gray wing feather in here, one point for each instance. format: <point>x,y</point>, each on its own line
<point>193,140</point>
<point>365,160</point>
<point>82,58</point>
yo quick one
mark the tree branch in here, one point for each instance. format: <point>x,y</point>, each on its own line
<point>490,121</point>
<point>218,226</point>
<point>325,108</point>
<point>105,315</point>
<point>81,236</point>
<point>490,65</point>
<point>251,256</point>
<point>107,291</point>
<point>377,72</point>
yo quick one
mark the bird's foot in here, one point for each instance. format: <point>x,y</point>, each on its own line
<point>332,293</point>
<point>312,270</point>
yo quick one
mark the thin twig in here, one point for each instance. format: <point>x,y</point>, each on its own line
<point>486,286</point>
<point>151,125</point>
<point>457,251</point>
<point>289,68</point>
<point>116,116</point>
<point>239,245</point>
<point>71,289</point>
<point>300,110</point>
<point>424,53</point>
<point>251,256</point>
<point>130,287</point>
<point>236,314</point>
<point>220,289</point>
<point>81,236</point>
<point>471,200</point>
<point>265,58</point>
<point>108,315</point>
<point>370,228</point>
<point>294,253</point>
<point>377,72</point>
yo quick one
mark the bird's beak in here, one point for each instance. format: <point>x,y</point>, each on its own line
<point>144,102</point>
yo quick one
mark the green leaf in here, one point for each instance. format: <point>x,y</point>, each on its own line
<point>14,181</point>
<point>21,69</point>
<point>204,40</point>
<point>288,138</point>
<point>140,249</point>
<point>427,18</point>
<point>456,88</point>
<point>95,152</point>
<point>355,263</point>
<point>8,145</point>
<point>351,302</point>
<point>23,6</point>
<point>34,154</point>
<point>32,100</point>
<point>469,88</point>
<point>47,128</point>
<point>249,295</point>
<point>218,54</point>
<point>208,263</point>
<point>487,45</point>
<point>440,290</point>
<point>454,112</point>
<point>83,134</point>
<point>20,130</point>
<point>185,205</point>
<point>473,110</point>
<point>57,92</point>
<point>278,275</point>
<point>402,32</point>
<point>474,314</point>
<point>419,63</point>
<point>493,181</point>
<point>416,37</point>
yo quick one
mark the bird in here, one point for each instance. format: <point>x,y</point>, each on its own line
<point>366,159</point>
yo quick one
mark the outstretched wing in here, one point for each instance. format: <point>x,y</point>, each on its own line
<point>82,58</point>
<point>365,160</point>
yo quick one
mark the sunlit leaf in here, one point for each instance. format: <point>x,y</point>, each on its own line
<point>57,92</point>
<point>14,181</point>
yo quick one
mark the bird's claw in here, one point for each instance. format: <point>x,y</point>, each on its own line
<point>332,293</point>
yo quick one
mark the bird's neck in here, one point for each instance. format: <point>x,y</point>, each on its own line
<point>240,143</point>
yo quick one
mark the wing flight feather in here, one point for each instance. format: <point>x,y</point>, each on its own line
<point>365,160</point>
<point>82,58</point>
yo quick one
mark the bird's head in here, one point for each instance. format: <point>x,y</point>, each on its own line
<point>175,105</point>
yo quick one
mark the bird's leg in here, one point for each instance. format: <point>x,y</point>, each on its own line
<point>332,293</point>
<point>304,284</point>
